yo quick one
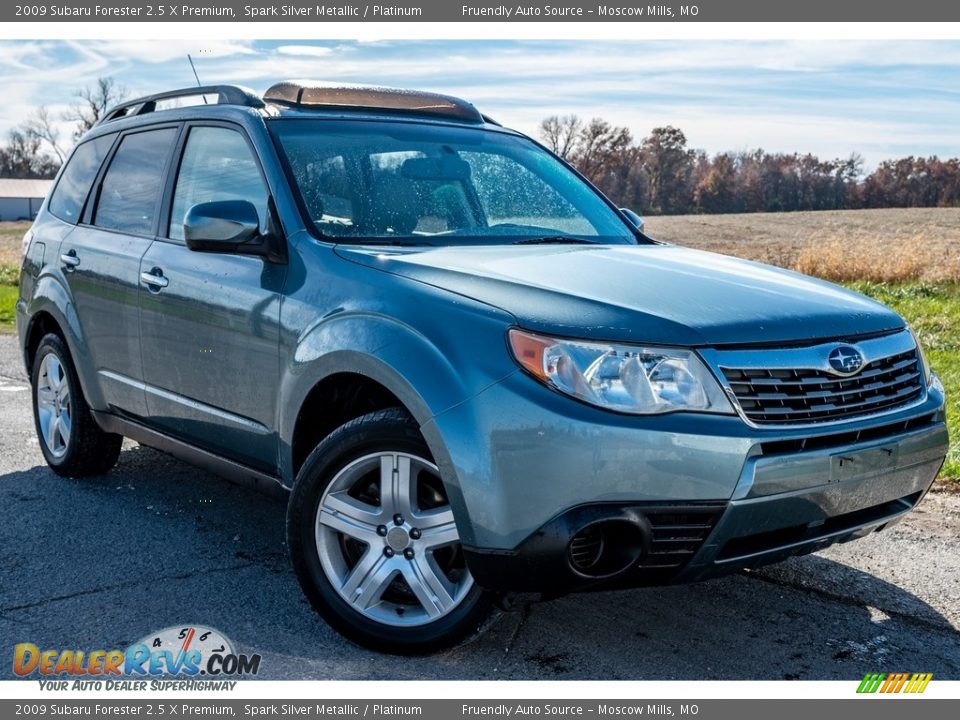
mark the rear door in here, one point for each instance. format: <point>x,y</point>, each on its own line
<point>101,260</point>
<point>209,322</point>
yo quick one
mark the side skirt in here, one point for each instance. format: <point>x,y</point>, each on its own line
<point>228,469</point>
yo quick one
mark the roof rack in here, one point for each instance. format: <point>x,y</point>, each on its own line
<point>226,95</point>
<point>306,93</point>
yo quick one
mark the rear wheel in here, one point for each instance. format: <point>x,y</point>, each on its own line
<point>374,542</point>
<point>71,441</point>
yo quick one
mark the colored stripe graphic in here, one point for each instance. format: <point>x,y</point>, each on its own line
<point>900,681</point>
<point>922,682</point>
<point>894,683</point>
<point>871,682</point>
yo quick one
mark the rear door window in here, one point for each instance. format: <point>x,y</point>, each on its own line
<point>132,186</point>
<point>74,184</point>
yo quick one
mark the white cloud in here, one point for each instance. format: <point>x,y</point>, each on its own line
<point>137,51</point>
<point>304,50</point>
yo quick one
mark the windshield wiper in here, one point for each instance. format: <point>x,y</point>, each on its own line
<point>554,240</point>
<point>391,243</point>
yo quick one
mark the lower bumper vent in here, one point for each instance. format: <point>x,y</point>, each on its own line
<point>676,533</point>
<point>586,548</point>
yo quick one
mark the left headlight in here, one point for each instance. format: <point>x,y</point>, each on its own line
<point>625,378</point>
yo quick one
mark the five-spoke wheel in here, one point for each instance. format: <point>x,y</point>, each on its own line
<point>388,542</point>
<point>374,540</point>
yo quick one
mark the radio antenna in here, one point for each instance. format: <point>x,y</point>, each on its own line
<point>196,77</point>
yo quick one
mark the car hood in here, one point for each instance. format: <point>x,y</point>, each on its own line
<point>647,293</point>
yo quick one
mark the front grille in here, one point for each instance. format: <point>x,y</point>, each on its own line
<point>851,437</point>
<point>783,397</point>
<point>677,534</point>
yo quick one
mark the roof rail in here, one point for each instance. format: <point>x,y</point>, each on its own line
<point>226,95</point>
<point>308,93</point>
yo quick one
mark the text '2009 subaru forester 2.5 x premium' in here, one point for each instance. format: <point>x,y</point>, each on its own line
<point>475,374</point>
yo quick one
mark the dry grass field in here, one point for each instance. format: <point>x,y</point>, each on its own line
<point>892,245</point>
<point>11,234</point>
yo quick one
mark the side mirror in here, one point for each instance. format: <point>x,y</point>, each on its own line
<point>634,219</point>
<point>224,226</point>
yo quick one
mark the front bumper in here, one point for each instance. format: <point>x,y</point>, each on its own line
<point>691,496</point>
<point>795,504</point>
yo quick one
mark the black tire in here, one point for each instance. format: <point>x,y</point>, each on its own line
<point>86,449</point>
<point>384,431</point>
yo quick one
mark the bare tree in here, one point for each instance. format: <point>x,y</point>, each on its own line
<point>93,102</point>
<point>561,134</point>
<point>40,126</point>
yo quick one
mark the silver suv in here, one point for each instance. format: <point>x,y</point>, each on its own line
<point>474,373</point>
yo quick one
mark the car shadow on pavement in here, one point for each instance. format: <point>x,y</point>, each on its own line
<point>100,563</point>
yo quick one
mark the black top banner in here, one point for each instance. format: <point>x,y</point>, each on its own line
<point>482,11</point>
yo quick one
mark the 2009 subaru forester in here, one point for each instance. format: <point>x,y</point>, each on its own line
<point>475,373</point>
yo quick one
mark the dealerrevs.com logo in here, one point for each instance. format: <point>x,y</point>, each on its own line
<point>190,651</point>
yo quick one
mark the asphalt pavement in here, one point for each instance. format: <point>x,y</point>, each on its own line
<point>100,563</point>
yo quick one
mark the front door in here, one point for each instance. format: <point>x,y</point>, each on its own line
<point>209,322</point>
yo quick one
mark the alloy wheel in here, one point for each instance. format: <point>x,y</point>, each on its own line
<point>53,405</point>
<point>387,540</point>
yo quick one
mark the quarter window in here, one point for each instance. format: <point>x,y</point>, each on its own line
<point>74,184</point>
<point>131,188</point>
<point>217,165</point>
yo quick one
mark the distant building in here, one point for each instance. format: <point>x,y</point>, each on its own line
<point>21,199</point>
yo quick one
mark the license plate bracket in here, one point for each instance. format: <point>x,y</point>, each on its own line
<point>863,463</point>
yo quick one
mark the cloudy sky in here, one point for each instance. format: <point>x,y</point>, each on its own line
<point>878,98</point>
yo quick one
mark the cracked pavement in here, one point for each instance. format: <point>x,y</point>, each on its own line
<point>99,563</point>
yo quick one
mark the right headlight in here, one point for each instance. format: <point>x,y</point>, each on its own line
<point>626,378</point>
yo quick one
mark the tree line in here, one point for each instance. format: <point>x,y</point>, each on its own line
<point>658,175</point>
<point>662,175</point>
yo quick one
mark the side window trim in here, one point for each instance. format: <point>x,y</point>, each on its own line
<point>173,174</point>
<point>93,199</point>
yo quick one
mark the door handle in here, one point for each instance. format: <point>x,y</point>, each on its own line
<point>69,259</point>
<point>154,279</point>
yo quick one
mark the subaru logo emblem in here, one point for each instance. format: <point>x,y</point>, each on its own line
<point>845,360</point>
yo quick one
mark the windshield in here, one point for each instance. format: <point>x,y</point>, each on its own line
<point>413,183</point>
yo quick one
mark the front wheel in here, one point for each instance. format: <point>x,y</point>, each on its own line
<point>374,543</point>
